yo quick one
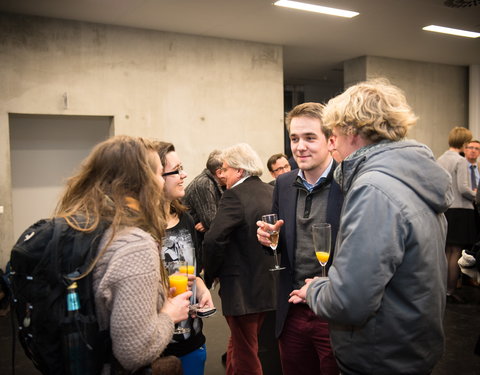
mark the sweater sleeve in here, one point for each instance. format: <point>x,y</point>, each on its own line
<point>463,180</point>
<point>133,296</point>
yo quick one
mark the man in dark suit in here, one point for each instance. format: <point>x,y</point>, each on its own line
<point>302,198</point>
<point>233,254</point>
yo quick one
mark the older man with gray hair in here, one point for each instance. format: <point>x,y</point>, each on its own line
<point>233,254</point>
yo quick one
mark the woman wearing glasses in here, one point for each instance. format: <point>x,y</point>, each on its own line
<point>181,243</point>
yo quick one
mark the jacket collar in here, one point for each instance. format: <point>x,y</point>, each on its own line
<point>298,182</point>
<point>348,168</point>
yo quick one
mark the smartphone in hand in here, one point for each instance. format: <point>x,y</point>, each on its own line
<point>202,312</point>
<point>206,312</point>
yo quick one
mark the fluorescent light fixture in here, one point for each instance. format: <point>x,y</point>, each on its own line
<point>316,8</point>
<point>448,30</point>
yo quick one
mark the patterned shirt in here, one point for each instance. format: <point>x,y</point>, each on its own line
<point>202,196</point>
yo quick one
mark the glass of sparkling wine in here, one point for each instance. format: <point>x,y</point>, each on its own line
<point>322,234</point>
<point>178,277</point>
<point>272,219</point>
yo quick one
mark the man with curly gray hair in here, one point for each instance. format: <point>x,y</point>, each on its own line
<point>385,291</point>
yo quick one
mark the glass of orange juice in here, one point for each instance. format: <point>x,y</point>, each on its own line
<point>322,234</point>
<point>188,269</point>
<point>178,277</point>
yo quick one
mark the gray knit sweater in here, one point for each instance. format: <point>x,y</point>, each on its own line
<point>129,297</point>
<point>458,168</point>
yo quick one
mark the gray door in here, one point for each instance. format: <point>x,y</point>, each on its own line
<point>45,150</point>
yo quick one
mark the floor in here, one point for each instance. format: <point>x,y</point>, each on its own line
<point>462,327</point>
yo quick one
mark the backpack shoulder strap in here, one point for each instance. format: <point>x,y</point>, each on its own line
<point>84,251</point>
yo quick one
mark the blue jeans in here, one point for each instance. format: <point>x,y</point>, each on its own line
<point>194,363</point>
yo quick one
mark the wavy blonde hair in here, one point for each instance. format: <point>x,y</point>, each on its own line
<point>374,109</point>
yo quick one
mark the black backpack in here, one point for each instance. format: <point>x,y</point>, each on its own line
<point>43,262</point>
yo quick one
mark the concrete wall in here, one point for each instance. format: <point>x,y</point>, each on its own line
<point>474,99</point>
<point>199,93</point>
<point>437,93</point>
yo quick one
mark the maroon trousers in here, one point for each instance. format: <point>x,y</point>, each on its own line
<point>242,351</point>
<point>305,344</point>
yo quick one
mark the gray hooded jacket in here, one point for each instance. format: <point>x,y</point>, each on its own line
<point>385,295</point>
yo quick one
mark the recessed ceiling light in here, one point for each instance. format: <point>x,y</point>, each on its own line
<point>448,30</point>
<point>316,8</point>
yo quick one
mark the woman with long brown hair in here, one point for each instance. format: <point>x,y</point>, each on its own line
<point>121,184</point>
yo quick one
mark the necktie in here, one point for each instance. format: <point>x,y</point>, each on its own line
<point>472,177</point>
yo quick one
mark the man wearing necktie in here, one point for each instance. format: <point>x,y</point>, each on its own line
<point>472,151</point>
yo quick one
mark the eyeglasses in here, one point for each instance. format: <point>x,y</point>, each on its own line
<point>285,167</point>
<point>176,171</point>
<point>473,148</point>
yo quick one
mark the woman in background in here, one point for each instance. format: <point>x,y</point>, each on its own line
<point>121,184</point>
<point>181,243</point>
<point>461,232</point>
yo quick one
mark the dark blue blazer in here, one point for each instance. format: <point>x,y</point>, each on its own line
<point>285,205</point>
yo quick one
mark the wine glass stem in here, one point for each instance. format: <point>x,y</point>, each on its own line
<point>275,255</point>
<point>323,271</point>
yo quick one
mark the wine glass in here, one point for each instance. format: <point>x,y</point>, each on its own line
<point>178,277</point>
<point>272,219</point>
<point>322,234</point>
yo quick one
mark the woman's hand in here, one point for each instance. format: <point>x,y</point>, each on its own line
<point>203,294</point>
<point>177,307</point>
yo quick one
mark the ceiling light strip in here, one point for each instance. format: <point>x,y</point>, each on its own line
<point>316,8</point>
<point>448,30</point>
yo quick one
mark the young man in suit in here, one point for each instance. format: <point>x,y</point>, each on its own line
<point>302,198</point>
<point>232,254</point>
